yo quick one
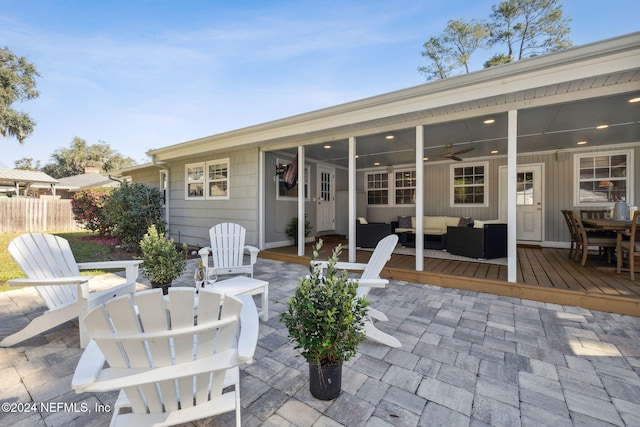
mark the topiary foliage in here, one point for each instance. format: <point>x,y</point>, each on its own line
<point>132,209</point>
<point>162,261</point>
<point>325,317</point>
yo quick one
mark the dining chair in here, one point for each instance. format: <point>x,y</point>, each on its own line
<point>631,247</point>
<point>591,239</point>
<point>573,245</point>
<point>592,213</point>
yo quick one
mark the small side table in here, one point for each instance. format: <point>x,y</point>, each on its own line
<point>242,285</point>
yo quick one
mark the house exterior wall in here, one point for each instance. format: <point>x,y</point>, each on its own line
<point>558,193</point>
<point>190,220</point>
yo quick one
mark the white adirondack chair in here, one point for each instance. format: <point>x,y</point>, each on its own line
<point>170,365</point>
<point>50,266</point>
<point>227,250</point>
<point>370,278</point>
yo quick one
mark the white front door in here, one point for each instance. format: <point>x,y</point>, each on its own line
<point>528,201</point>
<point>326,208</point>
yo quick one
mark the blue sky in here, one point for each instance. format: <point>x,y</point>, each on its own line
<point>146,74</point>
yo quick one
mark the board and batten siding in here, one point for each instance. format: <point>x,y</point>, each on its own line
<point>559,182</point>
<point>437,196</point>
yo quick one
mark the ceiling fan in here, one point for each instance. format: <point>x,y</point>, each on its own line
<point>455,154</point>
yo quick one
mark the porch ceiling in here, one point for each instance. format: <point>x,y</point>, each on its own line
<point>546,128</point>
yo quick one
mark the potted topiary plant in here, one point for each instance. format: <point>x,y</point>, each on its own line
<point>162,261</point>
<point>325,318</point>
<point>292,228</point>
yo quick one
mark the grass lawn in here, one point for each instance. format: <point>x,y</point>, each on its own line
<point>86,247</point>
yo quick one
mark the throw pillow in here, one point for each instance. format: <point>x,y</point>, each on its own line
<point>404,222</point>
<point>362,220</point>
<point>465,222</point>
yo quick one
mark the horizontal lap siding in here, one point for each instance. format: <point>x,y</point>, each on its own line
<point>190,220</point>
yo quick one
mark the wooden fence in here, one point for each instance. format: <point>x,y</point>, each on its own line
<point>26,215</point>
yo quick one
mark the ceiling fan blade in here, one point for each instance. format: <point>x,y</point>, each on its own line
<point>466,150</point>
<point>456,158</point>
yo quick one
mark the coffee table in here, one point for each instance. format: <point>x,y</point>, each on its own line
<point>242,285</point>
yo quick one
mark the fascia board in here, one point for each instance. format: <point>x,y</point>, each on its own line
<point>610,56</point>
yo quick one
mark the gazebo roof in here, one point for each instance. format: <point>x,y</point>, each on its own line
<point>9,177</point>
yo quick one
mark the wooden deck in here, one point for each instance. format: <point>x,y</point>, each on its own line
<point>546,275</point>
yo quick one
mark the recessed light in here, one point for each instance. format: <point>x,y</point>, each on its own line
<point>357,156</point>
<point>389,136</point>
<point>376,164</point>
<point>602,126</point>
<point>425,158</point>
<point>489,121</point>
<point>494,151</point>
<point>327,146</point>
<point>581,142</point>
<point>635,99</point>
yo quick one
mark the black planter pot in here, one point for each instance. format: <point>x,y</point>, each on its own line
<point>165,287</point>
<point>325,382</point>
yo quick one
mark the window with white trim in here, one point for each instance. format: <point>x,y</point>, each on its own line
<point>603,178</point>
<point>163,186</point>
<point>377,188</point>
<point>405,187</point>
<point>469,184</point>
<point>284,193</point>
<point>212,176</point>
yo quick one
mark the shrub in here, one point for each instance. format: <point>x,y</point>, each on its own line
<point>88,209</point>
<point>162,261</point>
<point>132,209</point>
<point>325,317</point>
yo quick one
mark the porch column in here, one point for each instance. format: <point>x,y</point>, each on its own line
<point>261,201</point>
<point>512,176</point>
<point>352,199</point>
<point>419,198</point>
<point>301,181</point>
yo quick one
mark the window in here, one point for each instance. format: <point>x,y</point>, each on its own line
<point>603,177</point>
<point>405,184</point>
<point>218,179</point>
<point>163,186</point>
<point>469,184</point>
<point>524,189</point>
<point>283,193</point>
<point>215,180</point>
<point>378,188</point>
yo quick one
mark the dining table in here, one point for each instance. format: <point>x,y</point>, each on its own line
<point>607,224</point>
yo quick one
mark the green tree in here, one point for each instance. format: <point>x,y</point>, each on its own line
<point>17,84</point>
<point>453,48</point>
<point>524,28</point>
<point>131,209</point>
<point>440,57</point>
<point>527,28</point>
<point>73,160</point>
<point>27,163</point>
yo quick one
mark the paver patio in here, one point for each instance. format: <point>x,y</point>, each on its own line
<point>467,358</point>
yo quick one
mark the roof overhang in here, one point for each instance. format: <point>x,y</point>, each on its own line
<point>596,70</point>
